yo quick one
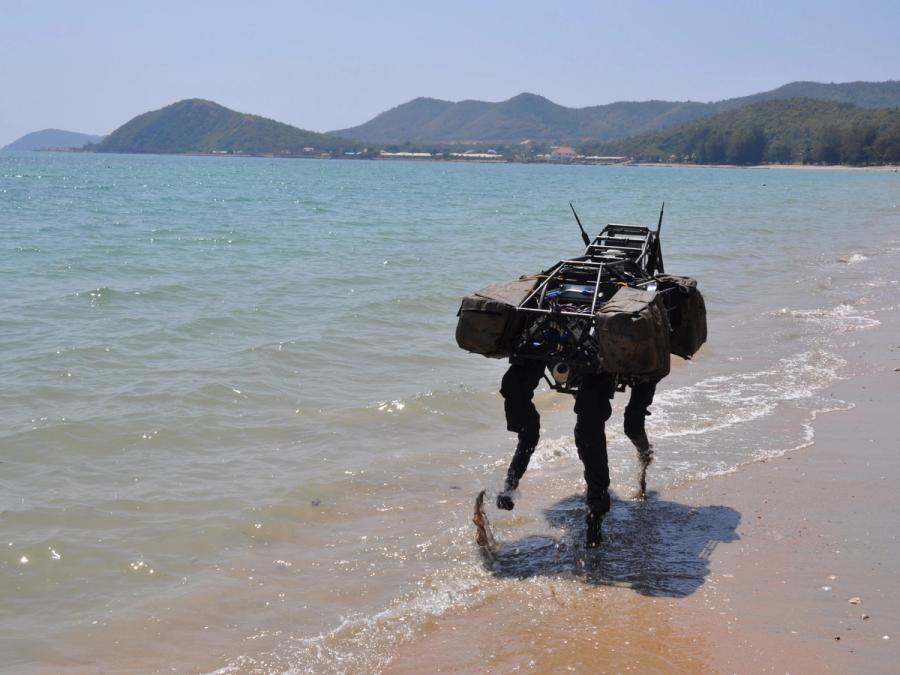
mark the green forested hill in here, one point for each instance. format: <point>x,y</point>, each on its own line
<point>862,94</point>
<point>523,117</point>
<point>530,117</point>
<point>196,125</point>
<point>792,131</point>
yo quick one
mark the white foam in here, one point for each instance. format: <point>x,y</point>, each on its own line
<point>853,258</point>
<point>718,403</point>
<point>367,642</point>
<point>389,407</point>
<point>727,400</point>
<point>551,449</point>
<point>840,319</point>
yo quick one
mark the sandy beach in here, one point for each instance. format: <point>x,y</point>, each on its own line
<point>803,555</point>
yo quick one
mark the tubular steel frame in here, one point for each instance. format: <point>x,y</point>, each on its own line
<point>559,331</point>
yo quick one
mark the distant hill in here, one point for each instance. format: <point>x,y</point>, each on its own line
<point>52,139</point>
<point>523,117</point>
<point>862,94</point>
<point>799,130</point>
<point>196,125</point>
<point>535,118</point>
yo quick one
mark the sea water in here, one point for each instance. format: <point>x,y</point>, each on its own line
<point>236,432</point>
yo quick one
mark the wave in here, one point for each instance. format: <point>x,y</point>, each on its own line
<point>722,402</point>
<point>367,642</point>
<point>840,319</point>
<point>105,294</point>
<point>100,295</point>
<point>853,258</point>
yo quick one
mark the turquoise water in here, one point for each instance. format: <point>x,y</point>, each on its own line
<point>233,406</point>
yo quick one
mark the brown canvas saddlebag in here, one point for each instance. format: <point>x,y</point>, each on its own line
<point>687,313</point>
<point>633,334</point>
<point>488,320</point>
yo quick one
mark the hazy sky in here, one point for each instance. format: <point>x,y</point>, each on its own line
<point>91,66</point>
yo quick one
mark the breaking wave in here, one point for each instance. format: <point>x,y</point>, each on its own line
<point>853,258</point>
<point>721,403</point>
<point>841,319</point>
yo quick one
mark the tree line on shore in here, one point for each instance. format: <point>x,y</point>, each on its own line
<point>794,131</point>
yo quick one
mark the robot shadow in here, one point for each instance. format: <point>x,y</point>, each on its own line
<point>656,547</point>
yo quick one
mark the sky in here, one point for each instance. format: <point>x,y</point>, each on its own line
<point>91,66</point>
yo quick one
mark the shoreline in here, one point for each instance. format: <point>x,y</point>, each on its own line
<point>806,584</point>
<point>889,168</point>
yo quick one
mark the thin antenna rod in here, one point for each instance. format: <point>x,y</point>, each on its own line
<point>584,236</point>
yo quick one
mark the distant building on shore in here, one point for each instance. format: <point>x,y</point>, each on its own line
<point>563,153</point>
<point>566,153</point>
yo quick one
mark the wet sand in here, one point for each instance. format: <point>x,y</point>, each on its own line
<point>798,572</point>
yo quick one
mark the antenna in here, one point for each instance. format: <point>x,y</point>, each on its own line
<point>584,236</point>
<point>657,245</point>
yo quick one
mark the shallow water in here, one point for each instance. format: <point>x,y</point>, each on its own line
<point>235,421</point>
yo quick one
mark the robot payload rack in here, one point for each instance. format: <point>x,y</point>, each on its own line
<point>612,309</point>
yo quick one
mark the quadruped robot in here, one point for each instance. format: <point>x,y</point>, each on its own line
<point>611,310</point>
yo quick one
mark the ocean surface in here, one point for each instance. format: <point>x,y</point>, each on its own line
<point>236,433</point>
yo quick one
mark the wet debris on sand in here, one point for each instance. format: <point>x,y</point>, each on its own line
<point>483,535</point>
